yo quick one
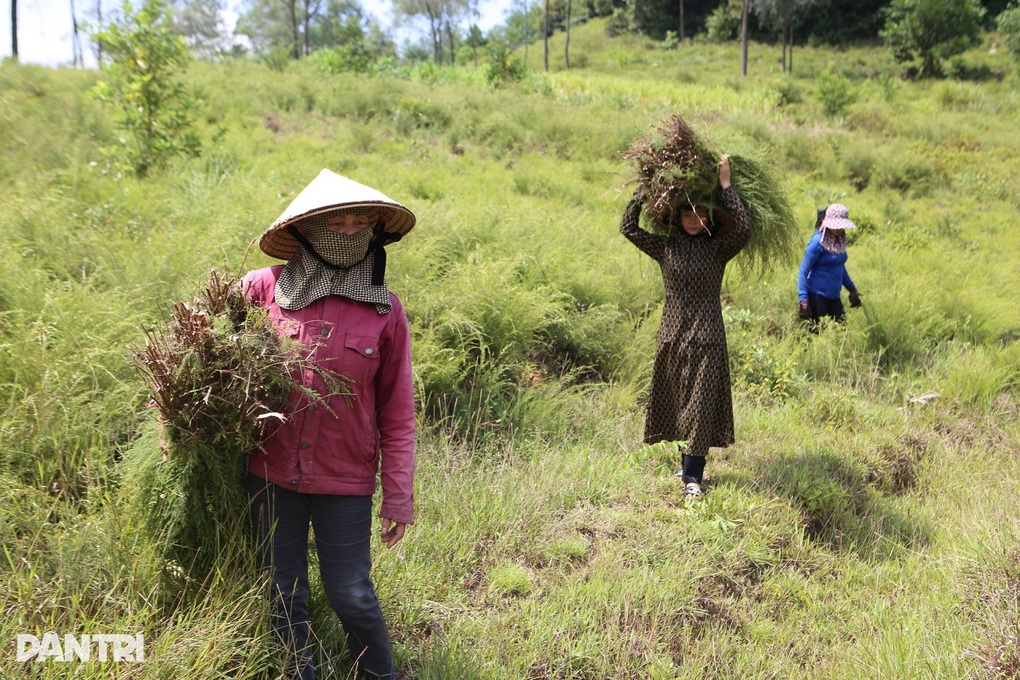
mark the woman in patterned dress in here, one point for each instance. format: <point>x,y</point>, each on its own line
<point>690,398</point>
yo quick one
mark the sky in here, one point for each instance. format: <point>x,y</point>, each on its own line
<point>45,29</point>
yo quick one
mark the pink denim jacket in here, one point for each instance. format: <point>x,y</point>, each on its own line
<point>340,449</point>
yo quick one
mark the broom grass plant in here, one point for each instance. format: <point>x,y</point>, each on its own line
<point>220,378</point>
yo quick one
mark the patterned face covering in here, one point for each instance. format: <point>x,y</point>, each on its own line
<point>341,250</point>
<point>346,272</point>
<point>833,241</point>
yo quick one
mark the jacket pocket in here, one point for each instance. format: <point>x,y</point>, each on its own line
<point>361,358</point>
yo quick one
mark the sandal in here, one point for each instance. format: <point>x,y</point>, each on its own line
<point>693,490</point>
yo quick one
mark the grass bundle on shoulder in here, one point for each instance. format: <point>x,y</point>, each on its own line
<point>678,167</point>
<point>220,378</point>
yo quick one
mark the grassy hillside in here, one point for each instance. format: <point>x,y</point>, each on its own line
<point>863,525</point>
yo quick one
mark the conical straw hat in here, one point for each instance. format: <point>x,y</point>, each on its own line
<point>330,191</point>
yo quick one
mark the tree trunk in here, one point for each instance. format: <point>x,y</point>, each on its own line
<point>99,22</point>
<point>681,20</point>
<point>436,30</point>
<point>451,38</point>
<point>545,35</point>
<point>527,35</point>
<point>295,38</point>
<point>79,59</point>
<point>566,44</point>
<point>743,37</point>
<point>306,21</point>
<point>14,29</point>
<point>791,48</point>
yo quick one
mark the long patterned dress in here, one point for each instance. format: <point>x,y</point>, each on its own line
<point>690,398</point>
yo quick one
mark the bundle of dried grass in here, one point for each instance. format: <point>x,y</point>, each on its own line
<point>677,167</point>
<point>220,376</point>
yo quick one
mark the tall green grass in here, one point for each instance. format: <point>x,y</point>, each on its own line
<point>863,525</point>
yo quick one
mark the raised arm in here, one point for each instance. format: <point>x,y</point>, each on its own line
<point>732,240</point>
<point>651,244</point>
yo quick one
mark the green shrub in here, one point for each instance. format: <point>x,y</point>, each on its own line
<point>874,119</point>
<point>931,31</point>
<point>503,67</point>
<point>836,94</point>
<point>412,113</point>
<point>766,371</point>
<point>789,92</point>
<point>1008,24</point>
<point>723,24</point>
<point>342,58</point>
<point>906,174</point>
<point>145,57</point>
<point>859,165</point>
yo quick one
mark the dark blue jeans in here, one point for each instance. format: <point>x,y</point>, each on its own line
<point>343,526</point>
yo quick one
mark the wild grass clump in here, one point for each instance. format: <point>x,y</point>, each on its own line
<point>676,166</point>
<point>220,378</point>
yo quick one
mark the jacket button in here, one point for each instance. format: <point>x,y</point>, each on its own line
<point>324,331</point>
<point>368,350</point>
<point>311,407</point>
<point>304,445</point>
<point>294,482</point>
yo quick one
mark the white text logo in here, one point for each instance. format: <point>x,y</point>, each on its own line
<point>82,648</point>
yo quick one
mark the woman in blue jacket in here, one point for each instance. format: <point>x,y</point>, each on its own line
<point>823,273</point>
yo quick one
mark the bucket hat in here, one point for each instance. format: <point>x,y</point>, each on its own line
<point>327,192</point>
<point>837,216</point>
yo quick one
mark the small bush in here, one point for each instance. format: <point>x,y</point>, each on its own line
<point>145,57</point>
<point>859,165</point>
<point>906,175</point>
<point>789,92</point>
<point>723,24</point>
<point>1009,26</point>
<point>766,371</point>
<point>836,94</point>
<point>873,119</point>
<point>503,67</point>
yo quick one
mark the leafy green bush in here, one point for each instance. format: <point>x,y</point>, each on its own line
<point>789,91</point>
<point>836,93</point>
<point>502,66</point>
<point>342,58</point>
<point>766,371</point>
<point>145,57</point>
<point>723,24</point>
<point>931,30</point>
<point>859,164</point>
<point>1008,24</point>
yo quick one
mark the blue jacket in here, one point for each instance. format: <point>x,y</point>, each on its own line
<point>821,272</point>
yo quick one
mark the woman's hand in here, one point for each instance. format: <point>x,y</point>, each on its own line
<point>637,201</point>
<point>724,171</point>
<point>392,532</point>
<point>803,309</point>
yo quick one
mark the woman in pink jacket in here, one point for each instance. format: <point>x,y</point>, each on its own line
<point>321,464</point>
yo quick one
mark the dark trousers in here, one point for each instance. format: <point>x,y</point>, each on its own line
<point>343,526</point>
<point>823,306</point>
